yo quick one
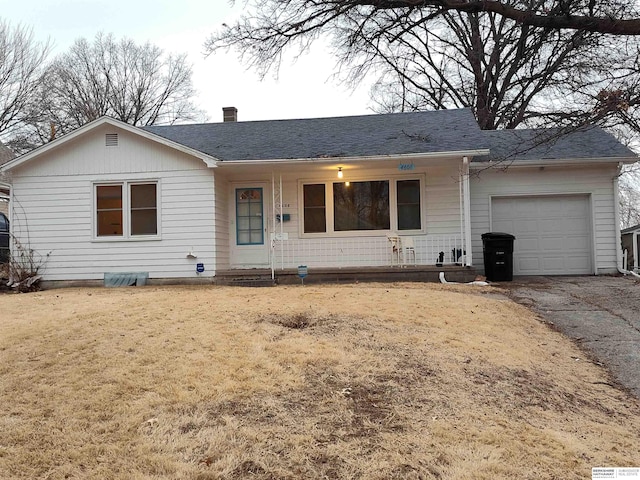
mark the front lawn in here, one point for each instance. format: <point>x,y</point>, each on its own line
<point>368,381</point>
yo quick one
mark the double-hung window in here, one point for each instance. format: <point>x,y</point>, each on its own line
<point>409,213</point>
<point>361,206</point>
<point>126,210</point>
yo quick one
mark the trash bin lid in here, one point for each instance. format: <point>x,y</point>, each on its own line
<point>498,236</point>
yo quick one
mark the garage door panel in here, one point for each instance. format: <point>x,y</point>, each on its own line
<point>528,244</point>
<point>551,226</point>
<point>553,233</point>
<point>528,264</point>
<point>553,244</point>
<point>554,264</point>
<point>525,226</point>
<point>579,243</point>
<point>503,226</point>
<point>575,263</point>
<point>574,225</point>
<point>524,210</point>
<point>503,208</point>
<point>576,205</point>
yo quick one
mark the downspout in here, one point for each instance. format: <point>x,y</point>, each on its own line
<point>635,251</point>
<point>616,214</point>
<point>467,211</point>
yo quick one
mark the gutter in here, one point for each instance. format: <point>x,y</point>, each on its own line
<point>406,156</point>
<point>551,162</point>
<point>616,215</point>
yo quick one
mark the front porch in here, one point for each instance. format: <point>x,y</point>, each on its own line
<point>386,215</point>
<point>289,276</point>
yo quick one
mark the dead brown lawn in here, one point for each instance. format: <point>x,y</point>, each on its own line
<point>402,381</point>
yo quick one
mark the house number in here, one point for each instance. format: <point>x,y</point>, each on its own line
<point>406,166</point>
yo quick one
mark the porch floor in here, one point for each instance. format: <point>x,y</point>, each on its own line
<point>409,273</point>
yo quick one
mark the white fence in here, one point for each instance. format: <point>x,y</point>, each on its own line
<point>364,252</point>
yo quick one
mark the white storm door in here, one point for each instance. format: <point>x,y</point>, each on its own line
<point>249,232</point>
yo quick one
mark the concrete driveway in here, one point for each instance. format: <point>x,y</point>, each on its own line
<point>602,314</point>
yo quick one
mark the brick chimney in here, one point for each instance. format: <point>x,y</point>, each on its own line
<point>229,114</point>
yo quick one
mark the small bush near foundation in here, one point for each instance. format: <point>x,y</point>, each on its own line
<point>23,270</point>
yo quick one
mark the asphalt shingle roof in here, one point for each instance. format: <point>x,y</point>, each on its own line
<point>543,144</point>
<point>389,134</point>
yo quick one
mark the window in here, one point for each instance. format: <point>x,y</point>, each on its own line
<point>109,213</point>
<point>315,210</point>
<point>362,206</point>
<point>408,203</point>
<point>144,215</point>
<point>126,210</point>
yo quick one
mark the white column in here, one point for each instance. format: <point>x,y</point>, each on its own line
<point>466,198</point>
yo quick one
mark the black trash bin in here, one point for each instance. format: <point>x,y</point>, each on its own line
<point>498,256</point>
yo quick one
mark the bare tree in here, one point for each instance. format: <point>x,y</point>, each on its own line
<point>22,60</point>
<point>629,197</point>
<point>443,54</point>
<point>508,74</point>
<point>137,84</point>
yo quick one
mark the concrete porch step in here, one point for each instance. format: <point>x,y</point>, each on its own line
<point>245,280</point>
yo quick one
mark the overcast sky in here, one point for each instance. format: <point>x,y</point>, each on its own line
<point>304,89</point>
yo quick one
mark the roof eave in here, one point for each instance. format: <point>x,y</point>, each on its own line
<point>209,161</point>
<point>356,159</point>
<point>546,162</point>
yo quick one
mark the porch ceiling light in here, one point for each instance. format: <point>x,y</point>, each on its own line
<point>339,172</point>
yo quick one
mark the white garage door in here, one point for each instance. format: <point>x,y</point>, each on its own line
<point>553,233</point>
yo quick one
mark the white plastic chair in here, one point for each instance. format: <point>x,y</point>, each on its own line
<point>408,248</point>
<point>396,248</point>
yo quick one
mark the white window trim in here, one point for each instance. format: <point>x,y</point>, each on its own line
<point>393,207</point>
<point>126,211</point>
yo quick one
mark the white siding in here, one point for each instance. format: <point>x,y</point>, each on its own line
<point>594,181</point>
<point>443,200</point>
<point>222,222</point>
<point>53,208</point>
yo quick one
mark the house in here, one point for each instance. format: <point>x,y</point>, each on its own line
<point>191,202</point>
<point>631,243</point>
<point>5,156</point>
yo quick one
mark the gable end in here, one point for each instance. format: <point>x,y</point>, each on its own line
<point>111,139</point>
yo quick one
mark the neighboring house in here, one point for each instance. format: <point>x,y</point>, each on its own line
<point>5,156</point>
<point>171,201</point>
<point>631,243</point>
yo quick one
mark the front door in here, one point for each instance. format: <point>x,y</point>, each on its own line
<point>250,246</point>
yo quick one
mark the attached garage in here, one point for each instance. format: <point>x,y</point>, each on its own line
<point>554,234</point>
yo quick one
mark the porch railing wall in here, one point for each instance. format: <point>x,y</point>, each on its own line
<point>364,252</point>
